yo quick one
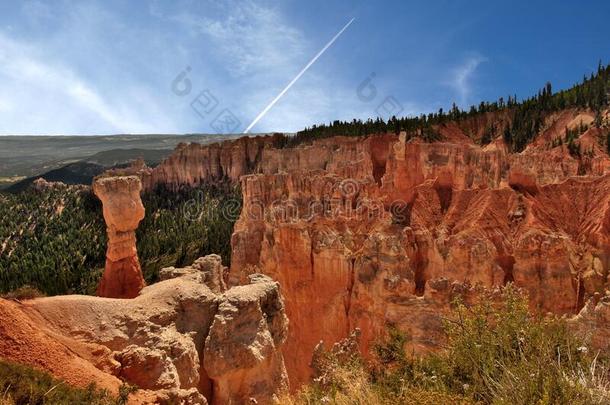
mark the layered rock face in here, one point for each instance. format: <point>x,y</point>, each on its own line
<point>192,164</point>
<point>123,211</point>
<point>242,351</point>
<point>186,339</point>
<point>384,231</point>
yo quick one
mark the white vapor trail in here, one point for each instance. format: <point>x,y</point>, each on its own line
<point>297,77</point>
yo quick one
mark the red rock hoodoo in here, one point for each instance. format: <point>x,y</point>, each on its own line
<point>123,211</point>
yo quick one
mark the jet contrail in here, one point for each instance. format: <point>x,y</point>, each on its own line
<point>311,62</point>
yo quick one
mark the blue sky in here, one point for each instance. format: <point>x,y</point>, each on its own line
<point>105,67</point>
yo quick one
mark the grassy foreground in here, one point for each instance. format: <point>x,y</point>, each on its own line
<point>496,353</point>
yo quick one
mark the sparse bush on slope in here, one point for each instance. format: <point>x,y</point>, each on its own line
<point>23,385</point>
<point>23,293</point>
<point>496,353</point>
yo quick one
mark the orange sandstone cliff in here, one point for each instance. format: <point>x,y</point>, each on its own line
<point>193,164</point>
<point>384,230</point>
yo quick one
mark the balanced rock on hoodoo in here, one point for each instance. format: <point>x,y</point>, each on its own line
<point>123,211</point>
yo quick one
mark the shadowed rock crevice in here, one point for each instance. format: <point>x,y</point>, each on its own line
<point>523,182</point>
<point>379,152</point>
<point>400,212</point>
<point>443,185</point>
<point>350,287</point>
<point>580,294</point>
<point>419,264</point>
<point>507,263</point>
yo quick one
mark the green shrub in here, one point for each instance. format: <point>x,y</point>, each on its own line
<point>21,385</point>
<point>498,353</point>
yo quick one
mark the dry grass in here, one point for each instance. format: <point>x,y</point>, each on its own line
<point>354,389</point>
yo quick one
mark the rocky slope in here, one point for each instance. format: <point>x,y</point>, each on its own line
<point>366,232</point>
<point>176,340</point>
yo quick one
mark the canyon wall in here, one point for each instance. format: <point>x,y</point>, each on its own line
<point>384,230</point>
<point>186,339</point>
<point>123,211</point>
<point>192,164</point>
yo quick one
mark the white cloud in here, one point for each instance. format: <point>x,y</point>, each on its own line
<point>249,37</point>
<point>116,76</point>
<point>262,50</point>
<point>48,97</point>
<point>462,77</point>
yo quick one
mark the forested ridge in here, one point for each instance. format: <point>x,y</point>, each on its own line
<point>526,116</point>
<point>55,239</point>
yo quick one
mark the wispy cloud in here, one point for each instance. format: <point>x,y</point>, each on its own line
<point>246,36</point>
<point>48,97</point>
<point>297,77</point>
<point>262,50</point>
<point>461,79</point>
<point>106,81</point>
<point>116,75</point>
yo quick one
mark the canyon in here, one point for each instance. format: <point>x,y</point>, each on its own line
<point>384,230</point>
<point>334,235</point>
